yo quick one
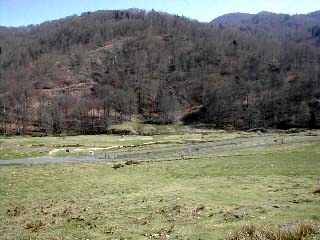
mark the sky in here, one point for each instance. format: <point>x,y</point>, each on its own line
<point>25,12</point>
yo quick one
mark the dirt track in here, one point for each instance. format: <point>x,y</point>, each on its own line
<point>184,150</point>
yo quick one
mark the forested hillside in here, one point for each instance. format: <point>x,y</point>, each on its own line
<point>303,28</point>
<point>83,72</point>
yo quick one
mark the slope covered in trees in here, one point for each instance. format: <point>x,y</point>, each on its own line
<point>304,28</point>
<point>82,72</point>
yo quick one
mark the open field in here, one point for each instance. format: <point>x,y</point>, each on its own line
<point>150,135</point>
<point>202,197</point>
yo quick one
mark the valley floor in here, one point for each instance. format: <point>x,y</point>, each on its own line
<point>204,196</point>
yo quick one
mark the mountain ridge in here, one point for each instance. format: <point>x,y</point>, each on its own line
<point>240,14</point>
<point>291,28</point>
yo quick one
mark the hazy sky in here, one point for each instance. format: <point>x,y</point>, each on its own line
<point>24,12</point>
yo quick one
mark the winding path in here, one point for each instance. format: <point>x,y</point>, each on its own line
<point>183,150</point>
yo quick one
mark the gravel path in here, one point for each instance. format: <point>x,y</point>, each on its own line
<point>184,150</point>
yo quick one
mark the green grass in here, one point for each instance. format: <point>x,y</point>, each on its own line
<point>16,147</point>
<point>26,146</point>
<point>187,199</point>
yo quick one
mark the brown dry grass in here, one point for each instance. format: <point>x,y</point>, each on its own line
<point>297,231</point>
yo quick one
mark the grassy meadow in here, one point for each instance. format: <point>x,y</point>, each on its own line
<point>146,135</point>
<point>202,198</point>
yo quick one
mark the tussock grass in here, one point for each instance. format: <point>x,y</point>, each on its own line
<point>296,231</point>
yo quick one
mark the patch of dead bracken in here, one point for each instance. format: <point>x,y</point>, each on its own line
<point>196,212</point>
<point>110,230</point>
<point>145,220</point>
<point>163,234</point>
<point>34,226</point>
<point>181,212</point>
<point>16,211</point>
<point>234,214</point>
<point>118,165</point>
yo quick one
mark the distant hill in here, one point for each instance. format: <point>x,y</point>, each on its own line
<point>315,14</point>
<point>232,18</point>
<point>296,28</point>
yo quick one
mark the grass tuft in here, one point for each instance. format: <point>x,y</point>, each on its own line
<point>297,231</point>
